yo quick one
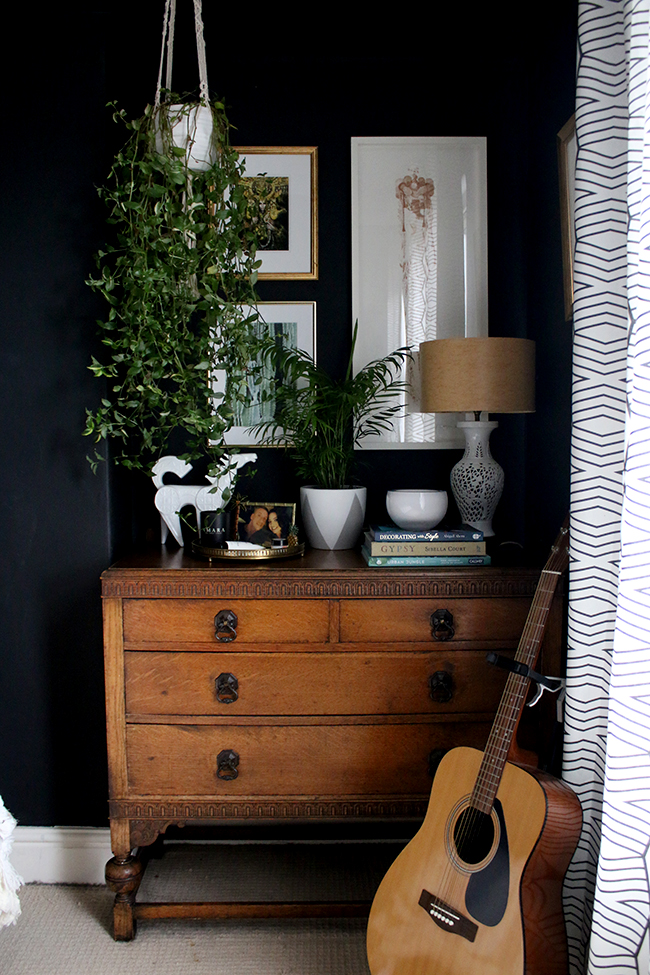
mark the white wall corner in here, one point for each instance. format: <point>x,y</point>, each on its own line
<point>61,855</point>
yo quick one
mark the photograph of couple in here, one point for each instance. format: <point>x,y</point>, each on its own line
<point>262,523</point>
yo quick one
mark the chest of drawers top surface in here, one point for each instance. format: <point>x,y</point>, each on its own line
<point>317,574</point>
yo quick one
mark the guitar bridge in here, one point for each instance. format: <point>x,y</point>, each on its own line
<point>446,917</point>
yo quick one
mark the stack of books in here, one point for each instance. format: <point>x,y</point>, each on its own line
<point>389,546</point>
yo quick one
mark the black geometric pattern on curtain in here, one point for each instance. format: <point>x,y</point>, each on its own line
<point>607,716</point>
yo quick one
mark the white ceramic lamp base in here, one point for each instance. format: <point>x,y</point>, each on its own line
<point>477,479</point>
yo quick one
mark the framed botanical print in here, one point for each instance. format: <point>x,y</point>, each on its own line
<point>285,180</point>
<point>292,324</point>
<point>419,261</point>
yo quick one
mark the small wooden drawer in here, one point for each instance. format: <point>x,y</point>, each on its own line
<point>488,621</point>
<point>312,760</point>
<point>227,684</point>
<point>172,621</point>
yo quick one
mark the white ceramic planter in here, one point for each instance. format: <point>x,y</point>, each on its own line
<point>191,130</point>
<point>333,519</point>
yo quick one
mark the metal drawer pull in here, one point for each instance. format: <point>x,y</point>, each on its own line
<point>442,625</point>
<point>441,687</point>
<point>225,626</point>
<point>227,687</point>
<point>227,762</point>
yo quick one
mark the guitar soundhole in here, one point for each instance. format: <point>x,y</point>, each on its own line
<point>473,835</point>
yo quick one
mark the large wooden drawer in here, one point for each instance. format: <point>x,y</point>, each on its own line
<point>172,621</point>
<point>312,760</point>
<point>487,621</point>
<point>330,683</point>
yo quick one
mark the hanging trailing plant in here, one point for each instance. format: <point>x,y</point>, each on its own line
<point>179,279</point>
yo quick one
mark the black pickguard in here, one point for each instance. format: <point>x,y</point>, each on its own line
<point>486,897</point>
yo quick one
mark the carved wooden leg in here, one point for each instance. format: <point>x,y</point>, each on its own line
<point>123,876</point>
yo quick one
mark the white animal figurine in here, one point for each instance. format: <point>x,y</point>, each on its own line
<point>171,498</point>
<point>207,499</point>
<point>9,879</point>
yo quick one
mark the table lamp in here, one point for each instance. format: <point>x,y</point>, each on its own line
<point>477,375</point>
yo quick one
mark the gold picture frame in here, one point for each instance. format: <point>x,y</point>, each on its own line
<point>296,320</point>
<point>279,518</point>
<point>296,168</point>
<point>566,153</point>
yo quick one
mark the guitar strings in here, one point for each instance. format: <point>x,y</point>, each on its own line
<point>510,707</point>
<point>453,881</point>
<point>481,801</point>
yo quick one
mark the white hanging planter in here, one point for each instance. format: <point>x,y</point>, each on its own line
<point>189,127</point>
<point>333,518</point>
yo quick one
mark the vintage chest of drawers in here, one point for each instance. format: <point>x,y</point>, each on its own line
<point>308,689</point>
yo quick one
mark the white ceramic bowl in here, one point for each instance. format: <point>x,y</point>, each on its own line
<point>415,510</point>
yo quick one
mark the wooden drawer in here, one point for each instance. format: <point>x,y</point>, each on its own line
<point>402,620</point>
<point>316,760</point>
<point>307,683</point>
<point>192,620</point>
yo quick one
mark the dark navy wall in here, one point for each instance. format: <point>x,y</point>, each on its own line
<point>61,525</point>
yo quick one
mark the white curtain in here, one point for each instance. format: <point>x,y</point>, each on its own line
<point>607,730</point>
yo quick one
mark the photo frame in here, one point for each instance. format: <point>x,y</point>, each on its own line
<point>567,149</point>
<point>419,261</point>
<point>263,521</point>
<point>292,172</point>
<point>297,321</point>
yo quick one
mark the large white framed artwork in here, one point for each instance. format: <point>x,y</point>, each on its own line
<point>419,260</point>
<point>294,324</point>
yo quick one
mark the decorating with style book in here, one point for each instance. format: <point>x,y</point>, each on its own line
<point>391,546</point>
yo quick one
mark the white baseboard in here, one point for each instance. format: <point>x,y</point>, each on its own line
<point>61,855</point>
<point>78,854</point>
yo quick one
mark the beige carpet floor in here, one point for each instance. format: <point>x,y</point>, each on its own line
<point>66,929</point>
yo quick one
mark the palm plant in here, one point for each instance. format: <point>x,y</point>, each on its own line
<point>321,420</point>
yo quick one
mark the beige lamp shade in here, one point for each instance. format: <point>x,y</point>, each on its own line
<point>492,375</point>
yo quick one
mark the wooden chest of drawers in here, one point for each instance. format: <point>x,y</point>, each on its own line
<point>308,689</point>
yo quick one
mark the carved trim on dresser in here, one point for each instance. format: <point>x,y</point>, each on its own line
<point>130,588</point>
<point>144,832</point>
<point>157,815</point>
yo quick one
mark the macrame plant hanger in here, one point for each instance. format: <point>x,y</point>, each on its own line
<point>168,39</point>
<point>191,126</point>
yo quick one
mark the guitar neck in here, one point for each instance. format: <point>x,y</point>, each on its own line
<point>514,695</point>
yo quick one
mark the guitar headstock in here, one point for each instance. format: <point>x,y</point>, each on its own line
<point>558,560</point>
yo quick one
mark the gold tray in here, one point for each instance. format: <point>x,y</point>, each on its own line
<point>247,554</point>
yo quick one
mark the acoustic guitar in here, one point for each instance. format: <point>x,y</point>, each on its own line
<point>478,890</point>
